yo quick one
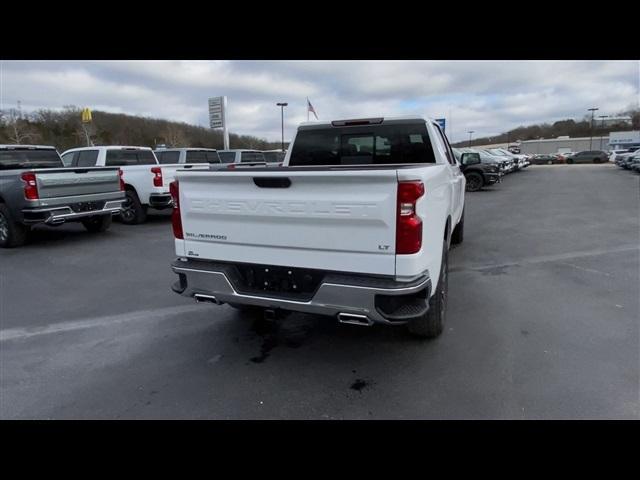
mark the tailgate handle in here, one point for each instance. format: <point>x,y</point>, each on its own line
<point>272,182</point>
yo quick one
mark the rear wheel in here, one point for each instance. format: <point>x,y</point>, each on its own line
<point>132,210</point>
<point>431,324</point>
<point>569,161</point>
<point>474,182</point>
<point>12,234</point>
<point>458,233</point>
<point>99,223</point>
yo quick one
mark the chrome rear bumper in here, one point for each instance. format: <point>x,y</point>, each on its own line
<point>338,295</point>
<point>58,215</point>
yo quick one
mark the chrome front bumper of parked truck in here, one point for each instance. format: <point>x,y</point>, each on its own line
<point>352,299</point>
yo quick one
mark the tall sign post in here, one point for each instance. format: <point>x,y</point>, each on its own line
<point>86,120</point>
<point>218,117</point>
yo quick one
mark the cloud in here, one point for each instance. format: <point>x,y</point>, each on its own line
<point>486,96</point>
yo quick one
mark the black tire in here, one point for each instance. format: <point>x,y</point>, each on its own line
<point>99,223</point>
<point>431,324</point>
<point>457,236</point>
<point>132,210</point>
<point>597,160</point>
<point>569,161</point>
<point>475,182</point>
<point>12,234</point>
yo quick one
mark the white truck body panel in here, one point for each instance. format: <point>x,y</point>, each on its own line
<point>341,221</point>
<point>337,219</point>
<point>140,177</point>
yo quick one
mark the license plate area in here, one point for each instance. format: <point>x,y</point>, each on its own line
<point>87,206</point>
<point>279,281</point>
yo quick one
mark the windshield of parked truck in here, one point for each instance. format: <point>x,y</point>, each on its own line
<point>363,145</point>
<point>29,158</point>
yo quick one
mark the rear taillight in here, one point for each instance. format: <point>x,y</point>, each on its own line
<point>408,223</point>
<point>231,166</point>
<point>176,220</point>
<point>121,180</point>
<point>157,176</point>
<point>30,185</point>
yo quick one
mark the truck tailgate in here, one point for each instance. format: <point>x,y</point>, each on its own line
<point>339,220</point>
<point>169,171</point>
<point>69,182</point>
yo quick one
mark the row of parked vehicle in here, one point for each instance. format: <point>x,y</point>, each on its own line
<point>629,160</point>
<point>488,166</point>
<point>91,184</point>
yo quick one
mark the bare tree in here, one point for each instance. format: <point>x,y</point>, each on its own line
<point>174,136</point>
<point>18,128</point>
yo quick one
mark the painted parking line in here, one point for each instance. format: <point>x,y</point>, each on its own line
<point>154,314</point>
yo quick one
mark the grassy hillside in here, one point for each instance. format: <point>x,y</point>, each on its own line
<point>64,130</point>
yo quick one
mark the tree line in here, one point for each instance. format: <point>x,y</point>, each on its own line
<point>64,129</point>
<point>569,127</point>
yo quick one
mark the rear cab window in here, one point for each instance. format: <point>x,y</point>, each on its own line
<point>168,157</point>
<point>401,143</point>
<point>29,158</point>
<point>125,158</point>
<point>202,156</point>
<point>252,157</point>
<point>227,157</point>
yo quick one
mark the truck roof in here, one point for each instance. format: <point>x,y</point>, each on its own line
<point>365,120</point>
<point>108,147</point>
<point>175,149</point>
<point>29,147</point>
<point>240,150</point>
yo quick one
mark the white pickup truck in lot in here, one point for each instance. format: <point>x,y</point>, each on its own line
<point>356,225</point>
<point>146,180</point>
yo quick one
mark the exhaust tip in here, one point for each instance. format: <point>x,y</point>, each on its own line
<point>355,319</point>
<point>201,298</point>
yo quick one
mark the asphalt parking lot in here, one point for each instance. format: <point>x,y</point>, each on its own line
<point>542,323</point>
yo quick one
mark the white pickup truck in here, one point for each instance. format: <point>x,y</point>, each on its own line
<point>357,225</point>
<point>146,180</point>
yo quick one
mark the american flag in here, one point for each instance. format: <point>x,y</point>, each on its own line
<point>311,109</point>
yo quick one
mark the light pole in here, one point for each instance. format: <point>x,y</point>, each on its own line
<point>602,117</point>
<point>282,105</point>
<point>592,110</point>
<point>470,132</point>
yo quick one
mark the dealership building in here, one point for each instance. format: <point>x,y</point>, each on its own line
<point>614,141</point>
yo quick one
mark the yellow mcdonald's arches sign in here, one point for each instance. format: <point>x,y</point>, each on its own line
<point>86,115</point>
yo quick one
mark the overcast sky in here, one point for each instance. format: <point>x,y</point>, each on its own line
<point>487,97</point>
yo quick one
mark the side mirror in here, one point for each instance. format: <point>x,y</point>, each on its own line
<point>470,158</point>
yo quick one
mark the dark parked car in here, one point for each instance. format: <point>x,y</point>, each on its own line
<point>589,156</point>
<point>544,159</point>
<point>476,173</point>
